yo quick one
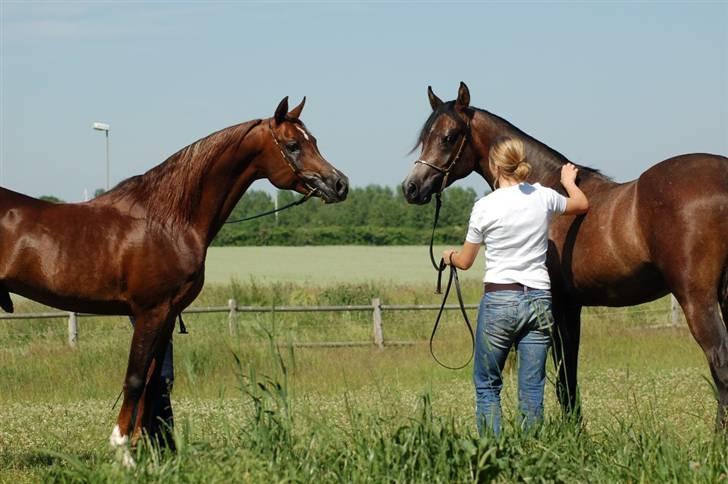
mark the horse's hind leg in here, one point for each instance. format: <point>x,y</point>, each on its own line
<point>710,332</point>
<point>151,333</point>
<point>5,302</point>
<point>567,332</point>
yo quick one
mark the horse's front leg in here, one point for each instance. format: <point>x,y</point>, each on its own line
<point>156,417</point>
<point>567,332</point>
<point>151,334</point>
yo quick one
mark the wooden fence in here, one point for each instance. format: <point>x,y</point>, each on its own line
<point>233,309</point>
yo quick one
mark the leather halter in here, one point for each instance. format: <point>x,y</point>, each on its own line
<point>451,163</point>
<point>296,171</point>
<point>291,163</point>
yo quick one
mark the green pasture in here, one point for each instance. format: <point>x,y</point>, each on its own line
<point>327,264</point>
<point>255,407</point>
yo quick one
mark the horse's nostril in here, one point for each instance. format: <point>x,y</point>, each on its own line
<point>342,188</point>
<point>411,190</point>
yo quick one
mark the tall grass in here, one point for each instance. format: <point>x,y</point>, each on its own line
<point>275,443</point>
<point>253,408</point>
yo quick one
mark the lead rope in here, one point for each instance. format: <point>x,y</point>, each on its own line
<point>453,276</point>
<point>440,268</point>
<point>271,212</point>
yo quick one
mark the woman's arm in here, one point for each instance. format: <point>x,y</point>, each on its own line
<point>464,258</point>
<point>577,203</point>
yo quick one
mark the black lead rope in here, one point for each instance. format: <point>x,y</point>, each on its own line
<point>271,212</point>
<point>440,268</point>
<point>438,205</point>
<point>182,327</point>
<point>453,276</point>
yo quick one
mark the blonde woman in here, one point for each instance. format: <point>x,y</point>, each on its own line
<point>513,223</point>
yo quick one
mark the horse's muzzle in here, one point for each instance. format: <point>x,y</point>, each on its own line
<point>332,188</point>
<point>416,193</point>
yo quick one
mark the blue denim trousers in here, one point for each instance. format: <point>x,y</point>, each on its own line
<point>506,318</point>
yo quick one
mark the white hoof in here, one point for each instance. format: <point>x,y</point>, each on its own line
<point>121,444</point>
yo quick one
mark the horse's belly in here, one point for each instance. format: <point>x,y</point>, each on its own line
<point>639,286</point>
<point>66,301</point>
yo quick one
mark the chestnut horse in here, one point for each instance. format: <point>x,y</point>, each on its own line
<point>666,232</point>
<point>140,249</point>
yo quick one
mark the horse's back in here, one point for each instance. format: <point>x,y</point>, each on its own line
<point>10,199</point>
<point>692,185</point>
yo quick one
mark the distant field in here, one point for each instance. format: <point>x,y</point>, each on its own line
<point>325,264</point>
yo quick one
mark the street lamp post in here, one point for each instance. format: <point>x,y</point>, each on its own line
<point>105,128</point>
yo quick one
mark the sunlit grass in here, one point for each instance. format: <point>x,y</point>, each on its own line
<point>357,414</point>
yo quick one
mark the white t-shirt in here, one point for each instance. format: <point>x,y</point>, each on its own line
<point>513,222</point>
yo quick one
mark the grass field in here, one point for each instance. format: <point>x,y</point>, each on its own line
<point>354,414</point>
<point>399,264</point>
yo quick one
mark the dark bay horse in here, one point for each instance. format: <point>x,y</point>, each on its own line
<point>140,249</point>
<point>666,231</point>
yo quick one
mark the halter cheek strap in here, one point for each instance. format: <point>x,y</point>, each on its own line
<point>451,163</point>
<point>292,164</point>
<point>296,171</point>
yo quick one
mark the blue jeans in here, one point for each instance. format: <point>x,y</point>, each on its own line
<point>507,318</point>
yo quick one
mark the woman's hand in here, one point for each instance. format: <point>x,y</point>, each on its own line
<point>577,203</point>
<point>463,258</point>
<point>568,174</point>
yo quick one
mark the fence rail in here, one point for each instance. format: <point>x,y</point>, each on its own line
<point>233,309</point>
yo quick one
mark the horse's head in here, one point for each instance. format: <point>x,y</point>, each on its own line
<point>447,153</point>
<point>293,160</point>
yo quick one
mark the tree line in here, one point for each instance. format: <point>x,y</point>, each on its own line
<point>371,215</point>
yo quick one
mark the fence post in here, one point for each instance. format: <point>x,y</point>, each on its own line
<point>377,321</point>
<point>232,317</point>
<point>675,311</point>
<point>72,330</point>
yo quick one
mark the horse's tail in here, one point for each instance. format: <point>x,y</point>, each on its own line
<point>5,302</point>
<point>723,295</point>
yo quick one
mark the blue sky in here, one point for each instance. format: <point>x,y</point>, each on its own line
<point>615,85</point>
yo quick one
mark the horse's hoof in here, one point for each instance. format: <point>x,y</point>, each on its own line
<point>120,443</point>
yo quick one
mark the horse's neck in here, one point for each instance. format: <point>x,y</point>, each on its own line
<point>545,162</point>
<point>224,183</point>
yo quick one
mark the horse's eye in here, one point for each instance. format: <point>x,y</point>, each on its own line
<point>293,146</point>
<point>448,139</point>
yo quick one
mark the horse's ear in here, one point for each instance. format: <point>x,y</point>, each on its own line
<point>295,113</point>
<point>281,110</point>
<point>463,100</point>
<point>435,101</point>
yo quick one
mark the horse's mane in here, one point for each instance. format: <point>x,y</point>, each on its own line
<point>552,159</point>
<point>170,191</point>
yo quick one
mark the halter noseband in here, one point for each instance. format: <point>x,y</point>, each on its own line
<point>451,164</point>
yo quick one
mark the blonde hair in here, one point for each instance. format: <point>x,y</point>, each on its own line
<point>509,155</point>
